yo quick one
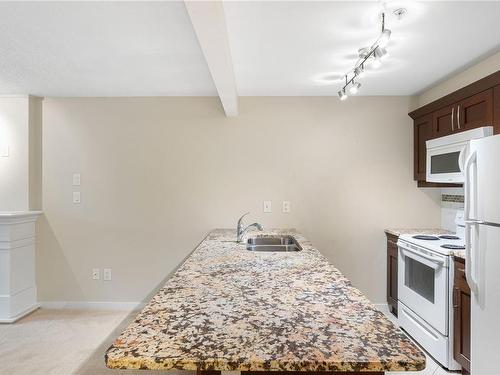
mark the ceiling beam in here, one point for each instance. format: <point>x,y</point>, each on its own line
<point>209,24</point>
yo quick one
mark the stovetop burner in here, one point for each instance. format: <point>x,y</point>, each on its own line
<point>425,237</point>
<point>453,247</point>
<point>448,237</point>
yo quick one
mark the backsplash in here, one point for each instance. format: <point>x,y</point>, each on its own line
<point>452,200</point>
<point>455,198</point>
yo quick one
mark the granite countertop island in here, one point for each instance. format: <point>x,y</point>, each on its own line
<point>227,308</point>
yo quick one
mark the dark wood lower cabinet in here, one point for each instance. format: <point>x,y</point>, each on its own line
<point>392,273</point>
<point>461,317</point>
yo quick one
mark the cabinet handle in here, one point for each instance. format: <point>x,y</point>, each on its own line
<point>452,117</point>
<point>455,298</point>
<point>458,116</point>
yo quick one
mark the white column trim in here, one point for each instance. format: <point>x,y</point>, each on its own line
<point>209,24</point>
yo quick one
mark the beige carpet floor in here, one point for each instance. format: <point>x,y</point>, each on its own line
<point>65,342</point>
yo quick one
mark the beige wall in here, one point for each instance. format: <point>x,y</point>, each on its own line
<point>159,173</point>
<point>468,76</point>
<point>14,178</point>
<point>20,172</point>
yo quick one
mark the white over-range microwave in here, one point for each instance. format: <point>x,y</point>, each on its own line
<point>446,155</point>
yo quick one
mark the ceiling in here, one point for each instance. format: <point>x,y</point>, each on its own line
<point>277,48</point>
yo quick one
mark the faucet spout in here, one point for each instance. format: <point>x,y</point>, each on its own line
<point>240,231</point>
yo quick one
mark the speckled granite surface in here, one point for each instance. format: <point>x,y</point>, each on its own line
<point>227,308</point>
<point>400,231</point>
<point>458,254</point>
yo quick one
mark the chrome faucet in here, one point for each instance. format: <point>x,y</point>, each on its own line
<point>240,231</point>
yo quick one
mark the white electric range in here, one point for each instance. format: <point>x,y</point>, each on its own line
<point>425,286</point>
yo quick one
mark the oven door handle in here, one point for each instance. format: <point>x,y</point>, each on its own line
<point>437,262</point>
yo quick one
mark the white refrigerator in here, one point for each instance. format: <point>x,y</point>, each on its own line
<point>482,238</point>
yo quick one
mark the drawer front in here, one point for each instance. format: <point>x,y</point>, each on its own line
<point>429,338</point>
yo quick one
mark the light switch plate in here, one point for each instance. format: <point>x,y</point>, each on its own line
<point>267,207</point>
<point>76,179</point>
<point>76,197</point>
<point>106,274</point>
<point>287,207</point>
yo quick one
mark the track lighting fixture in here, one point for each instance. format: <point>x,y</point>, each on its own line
<point>368,56</point>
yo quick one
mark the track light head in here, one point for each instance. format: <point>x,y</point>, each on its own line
<point>355,88</point>
<point>342,95</point>
<point>376,64</point>
<point>364,52</point>
<point>383,40</point>
<point>379,53</point>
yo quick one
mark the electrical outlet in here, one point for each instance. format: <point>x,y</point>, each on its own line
<point>267,207</point>
<point>287,207</point>
<point>76,197</point>
<point>76,179</point>
<point>106,274</point>
<point>96,274</point>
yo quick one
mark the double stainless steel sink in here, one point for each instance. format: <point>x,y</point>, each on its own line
<point>273,244</point>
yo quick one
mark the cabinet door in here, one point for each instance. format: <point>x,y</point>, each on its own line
<point>392,273</point>
<point>422,132</point>
<point>475,111</point>
<point>461,317</point>
<point>445,121</point>
<point>496,109</point>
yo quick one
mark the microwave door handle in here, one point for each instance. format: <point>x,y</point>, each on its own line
<point>468,222</point>
<point>461,158</point>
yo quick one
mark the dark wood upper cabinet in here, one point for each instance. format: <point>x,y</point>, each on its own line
<point>496,109</point>
<point>475,111</point>
<point>472,112</point>
<point>444,121</point>
<point>473,106</point>
<point>423,131</point>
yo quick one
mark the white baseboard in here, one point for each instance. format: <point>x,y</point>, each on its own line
<point>15,318</point>
<point>83,305</point>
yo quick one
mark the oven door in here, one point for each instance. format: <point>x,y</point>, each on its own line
<point>423,284</point>
<point>445,163</point>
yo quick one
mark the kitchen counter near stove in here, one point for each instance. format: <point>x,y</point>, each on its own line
<point>230,309</point>
<point>431,231</point>
<point>458,254</point>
